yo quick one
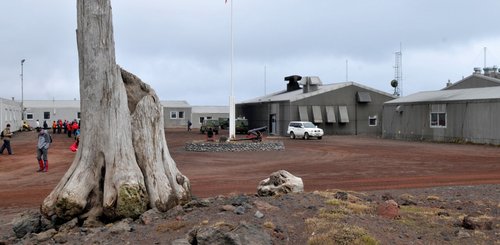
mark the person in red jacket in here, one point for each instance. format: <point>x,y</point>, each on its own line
<point>68,129</point>
<point>60,126</point>
<point>74,127</point>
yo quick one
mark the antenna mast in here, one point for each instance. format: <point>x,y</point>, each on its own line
<point>398,72</point>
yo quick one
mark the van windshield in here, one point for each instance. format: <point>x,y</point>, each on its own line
<point>309,125</point>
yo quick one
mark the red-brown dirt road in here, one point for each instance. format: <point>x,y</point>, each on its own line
<point>335,162</point>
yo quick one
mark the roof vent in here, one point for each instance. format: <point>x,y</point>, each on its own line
<point>293,83</point>
<point>310,84</point>
<point>487,71</point>
<point>477,70</point>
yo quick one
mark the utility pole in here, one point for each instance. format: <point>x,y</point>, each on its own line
<point>22,89</point>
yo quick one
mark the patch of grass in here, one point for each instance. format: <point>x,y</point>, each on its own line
<point>326,232</point>
<point>358,208</point>
<point>333,202</point>
<point>269,225</point>
<point>334,214</point>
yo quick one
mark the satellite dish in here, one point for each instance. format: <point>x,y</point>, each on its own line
<point>394,83</point>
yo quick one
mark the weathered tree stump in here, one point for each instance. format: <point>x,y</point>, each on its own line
<point>123,166</point>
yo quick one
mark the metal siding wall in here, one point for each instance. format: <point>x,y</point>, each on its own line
<point>68,114</point>
<point>466,122</point>
<point>358,112</point>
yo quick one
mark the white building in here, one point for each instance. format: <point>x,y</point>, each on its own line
<point>10,113</point>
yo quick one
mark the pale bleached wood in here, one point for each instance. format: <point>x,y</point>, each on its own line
<point>123,166</point>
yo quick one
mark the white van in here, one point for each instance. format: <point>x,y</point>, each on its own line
<point>304,130</point>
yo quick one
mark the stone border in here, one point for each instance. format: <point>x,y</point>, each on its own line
<point>234,146</point>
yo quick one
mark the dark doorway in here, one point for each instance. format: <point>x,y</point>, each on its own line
<point>272,124</point>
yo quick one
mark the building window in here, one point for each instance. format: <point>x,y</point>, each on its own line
<point>173,115</point>
<point>181,114</point>
<point>29,116</point>
<point>438,120</point>
<point>202,119</point>
<point>78,115</point>
<point>209,117</point>
<point>372,121</point>
<point>46,115</point>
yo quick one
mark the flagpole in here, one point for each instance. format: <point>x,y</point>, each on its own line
<point>232,109</point>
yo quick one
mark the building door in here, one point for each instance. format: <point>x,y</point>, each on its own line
<point>272,124</point>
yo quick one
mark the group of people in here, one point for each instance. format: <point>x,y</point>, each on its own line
<point>44,139</point>
<point>66,127</point>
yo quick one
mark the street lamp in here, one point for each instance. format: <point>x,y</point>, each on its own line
<point>22,90</point>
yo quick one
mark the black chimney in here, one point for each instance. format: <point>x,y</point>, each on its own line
<point>293,83</point>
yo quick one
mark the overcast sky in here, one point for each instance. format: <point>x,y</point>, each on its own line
<point>182,48</point>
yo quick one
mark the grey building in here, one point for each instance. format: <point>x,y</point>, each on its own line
<point>176,113</point>
<point>340,108</point>
<point>201,113</point>
<point>467,111</point>
<point>51,110</point>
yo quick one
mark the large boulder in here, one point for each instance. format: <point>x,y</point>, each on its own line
<point>27,222</point>
<point>280,182</point>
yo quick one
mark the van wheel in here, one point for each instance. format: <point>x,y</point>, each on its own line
<point>292,135</point>
<point>320,137</point>
<point>306,136</point>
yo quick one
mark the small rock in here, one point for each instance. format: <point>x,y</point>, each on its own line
<point>407,199</point>
<point>239,210</point>
<point>69,225</point>
<point>149,216</point>
<point>121,226</point>
<point>92,223</point>
<point>180,242</point>
<point>388,209</point>
<point>433,198</point>
<point>462,234</point>
<point>472,222</point>
<point>387,196</point>
<point>229,208</point>
<point>443,214</point>
<point>46,235</point>
<point>197,203</point>
<point>259,215</point>
<point>61,237</point>
<point>341,195</point>
<point>239,200</point>
<point>261,205</point>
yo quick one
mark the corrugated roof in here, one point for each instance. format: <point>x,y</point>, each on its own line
<point>481,76</point>
<point>175,103</point>
<point>450,95</point>
<point>210,109</point>
<point>299,94</point>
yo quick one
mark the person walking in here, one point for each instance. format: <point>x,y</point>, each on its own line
<point>37,124</point>
<point>6,136</point>
<point>189,125</point>
<point>43,145</point>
